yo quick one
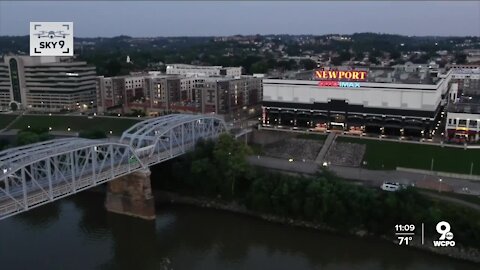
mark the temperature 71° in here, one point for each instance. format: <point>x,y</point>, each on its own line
<point>404,240</point>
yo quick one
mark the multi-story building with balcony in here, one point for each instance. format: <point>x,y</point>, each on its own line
<point>157,93</point>
<point>463,121</point>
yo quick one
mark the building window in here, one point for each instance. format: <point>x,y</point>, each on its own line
<point>449,121</point>
<point>15,80</point>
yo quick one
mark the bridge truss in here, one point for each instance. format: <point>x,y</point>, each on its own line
<point>40,173</point>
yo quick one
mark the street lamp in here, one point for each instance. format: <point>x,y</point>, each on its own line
<point>440,185</point>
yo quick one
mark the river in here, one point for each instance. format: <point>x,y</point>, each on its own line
<point>77,233</point>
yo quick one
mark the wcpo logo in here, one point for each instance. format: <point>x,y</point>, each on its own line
<point>446,236</point>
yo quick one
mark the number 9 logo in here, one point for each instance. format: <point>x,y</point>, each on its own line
<point>443,228</point>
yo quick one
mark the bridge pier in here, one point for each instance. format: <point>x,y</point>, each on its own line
<point>131,195</point>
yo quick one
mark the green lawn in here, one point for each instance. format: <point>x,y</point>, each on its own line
<point>76,123</point>
<point>388,155</point>
<point>5,119</point>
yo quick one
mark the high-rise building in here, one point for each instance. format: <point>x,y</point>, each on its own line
<point>48,84</point>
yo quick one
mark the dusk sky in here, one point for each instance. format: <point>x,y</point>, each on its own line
<point>159,18</point>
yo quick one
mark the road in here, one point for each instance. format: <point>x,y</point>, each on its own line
<point>372,177</point>
<point>307,167</point>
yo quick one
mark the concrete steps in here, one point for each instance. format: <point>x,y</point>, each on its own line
<point>326,146</point>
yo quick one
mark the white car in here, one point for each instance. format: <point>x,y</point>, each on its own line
<point>392,187</point>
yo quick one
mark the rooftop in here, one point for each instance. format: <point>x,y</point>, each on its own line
<point>399,74</point>
<point>187,66</point>
<point>466,105</point>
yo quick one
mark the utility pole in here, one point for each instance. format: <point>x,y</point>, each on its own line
<point>471,168</point>
<point>431,166</point>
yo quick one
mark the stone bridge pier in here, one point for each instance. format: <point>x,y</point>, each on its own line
<point>131,195</point>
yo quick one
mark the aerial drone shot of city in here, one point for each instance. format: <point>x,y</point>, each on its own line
<point>232,135</point>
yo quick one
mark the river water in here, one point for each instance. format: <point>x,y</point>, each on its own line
<point>77,233</point>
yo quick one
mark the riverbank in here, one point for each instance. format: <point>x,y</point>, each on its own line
<point>164,197</point>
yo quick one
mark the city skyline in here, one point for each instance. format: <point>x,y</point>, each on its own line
<point>157,18</point>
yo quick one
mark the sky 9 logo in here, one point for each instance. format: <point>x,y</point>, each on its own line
<point>51,38</point>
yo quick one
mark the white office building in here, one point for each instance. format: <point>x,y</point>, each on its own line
<point>48,84</point>
<point>203,71</point>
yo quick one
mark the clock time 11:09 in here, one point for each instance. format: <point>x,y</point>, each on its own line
<point>405,228</point>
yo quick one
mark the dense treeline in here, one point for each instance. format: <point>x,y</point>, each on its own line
<point>258,55</point>
<point>220,170</point>
<point>92,134</point>
<point>32,135</point>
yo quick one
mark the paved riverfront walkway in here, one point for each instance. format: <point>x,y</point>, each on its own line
<point>370,177</point>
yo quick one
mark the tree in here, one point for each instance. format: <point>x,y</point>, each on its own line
<point>395,55</point>
<point>359,56</point>
<point>336,61</point>
<point>372,59</point>
<point>3,144</point>
<point>308,64</point>
<point>230,158</point>
<point>26,137</point>
<point>258,67</point>
<point>460,58</point>
<point>29,136</point>
<point>345,56</point>
<point>92,134</point>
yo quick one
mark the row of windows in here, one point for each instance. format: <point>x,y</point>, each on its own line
<point>462,122</point>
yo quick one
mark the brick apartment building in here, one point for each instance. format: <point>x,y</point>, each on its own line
<point>230,96</point>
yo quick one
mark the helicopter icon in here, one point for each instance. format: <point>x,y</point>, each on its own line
<point>51,34</point>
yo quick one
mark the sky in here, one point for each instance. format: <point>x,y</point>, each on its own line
<point>221,18</point>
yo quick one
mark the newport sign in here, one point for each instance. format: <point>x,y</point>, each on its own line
<point>337,78</point>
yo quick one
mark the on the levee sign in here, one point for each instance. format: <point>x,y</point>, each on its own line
<point>51,38</point>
